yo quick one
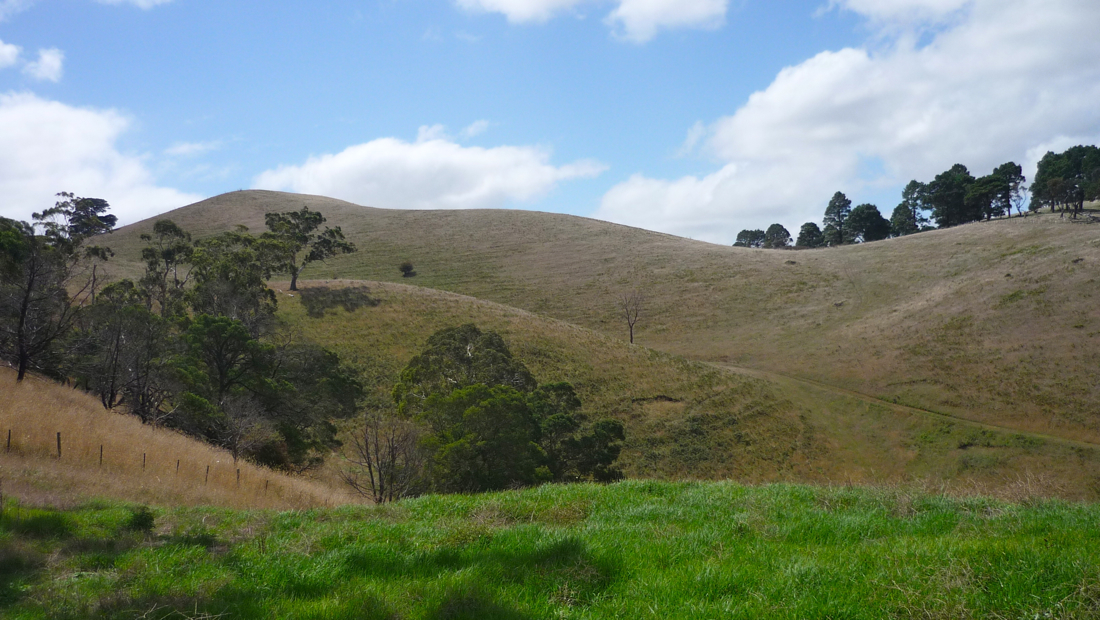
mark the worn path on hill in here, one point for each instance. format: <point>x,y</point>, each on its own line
<point>780,379</point>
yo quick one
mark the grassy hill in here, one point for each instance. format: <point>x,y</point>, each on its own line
<point>110,455</point>
<point>688,419</point>
<point>995,322</point>
<point>629,550</point>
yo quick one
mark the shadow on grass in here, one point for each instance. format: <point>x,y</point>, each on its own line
<point>318,299</point>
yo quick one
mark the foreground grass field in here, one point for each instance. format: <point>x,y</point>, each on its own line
<point>630,550</point>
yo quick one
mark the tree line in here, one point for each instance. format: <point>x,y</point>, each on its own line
<point>193,344</point>
<point>1062,181</point>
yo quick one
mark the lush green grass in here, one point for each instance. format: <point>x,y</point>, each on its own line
<point>631,550</point>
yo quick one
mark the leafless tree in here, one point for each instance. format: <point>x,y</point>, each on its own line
<point>387,462</point>
<point>630,306</point>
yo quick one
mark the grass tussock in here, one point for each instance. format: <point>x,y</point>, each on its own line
<point>139,462</point>
<point>629,550</point>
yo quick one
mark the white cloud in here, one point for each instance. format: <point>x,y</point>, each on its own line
<point>141,4</point>
<point>521,11</point>
<point>1009,76</point>
<point>639,20</point>
<point>633,20</point>
<point>431,173</point>
<point>475,128</point>
<point>48,67</point>
<point>190,149</point>
<point>11,7</point>
<point>909,11</point>
<point>47,147</point>
<point>427,133</point>
<point>9,54</point>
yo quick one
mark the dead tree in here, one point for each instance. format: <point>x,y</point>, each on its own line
<point>630,306</point>
<point>387,462</point>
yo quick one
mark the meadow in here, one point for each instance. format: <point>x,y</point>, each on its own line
<point>630,550</point>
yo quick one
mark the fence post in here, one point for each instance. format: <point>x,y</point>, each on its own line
<point>142,461</point>
<point>207,478</point>
<point>177,467</point>
<point>101,455</point>
<point>238,476</point>
<point>59,445</point>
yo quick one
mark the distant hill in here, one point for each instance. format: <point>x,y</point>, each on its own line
<point>995,322</point>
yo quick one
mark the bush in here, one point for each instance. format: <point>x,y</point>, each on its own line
<point>141,519</point>
<point>406,269</point>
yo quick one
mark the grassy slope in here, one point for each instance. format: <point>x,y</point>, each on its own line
<point>695,420</point>
<point>996,322</point>
<point>630,550</point>
<point>139,461</point>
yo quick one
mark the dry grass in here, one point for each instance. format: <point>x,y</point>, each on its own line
<point>994,321</point>
<point>36,410</point>
<point>690,420</point>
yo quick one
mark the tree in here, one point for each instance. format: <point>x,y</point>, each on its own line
<point>836,217</point>
<point>166,275</point>
<point>295,242</point>
<point>865,223</point>
<point>387,459</point>
<point>46,283</point>
<point>630,307</point>
<point>1013,191</point>
<point>483,423</point>
<point>750,239</point>
<point>406,269</point>
<point>810,236</point>
<point>458,357</point>
<point>909,216</point>
<point>777,237</point>
<point>229,280</point>
<point>984,196</point>
<point>946,195</point>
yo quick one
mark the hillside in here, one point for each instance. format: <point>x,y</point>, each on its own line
<point>689,419</point>
<point>995,322</point>
<point>630,550</point>
<point>106,454</point>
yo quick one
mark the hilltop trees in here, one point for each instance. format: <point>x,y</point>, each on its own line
<point>1067,179</point>
<point>293,242</point>
<point>777,237</point>
<point>809,236</point>
<point>836,220</point>
<point>481,423</point>
<point>750,239</point>
<point>865,223</point>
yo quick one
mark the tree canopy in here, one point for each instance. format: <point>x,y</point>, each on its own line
<point>750,239</point>
<point>865,223</point>
<point>810,236</point>
<point>777,237</point>
<point>294,242</point>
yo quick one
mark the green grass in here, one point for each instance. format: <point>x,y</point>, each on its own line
<point>630,550</point>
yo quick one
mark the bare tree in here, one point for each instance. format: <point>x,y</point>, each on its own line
<point>387,462</point>
<point>630,306</point>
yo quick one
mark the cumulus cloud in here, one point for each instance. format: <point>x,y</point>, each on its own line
<point>48,67</point>
<point>190,149</point>
<point>431,173</point>
<point>632,20</point>
<point>47,147</point>
<point>1008,77</point>
<point>9,54</point>
<point>475,128</point>
<point>11,7</point>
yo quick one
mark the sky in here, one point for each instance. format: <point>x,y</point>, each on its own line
<point>698,118</point>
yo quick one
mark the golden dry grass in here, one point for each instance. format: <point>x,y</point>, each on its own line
<point>35,410</point>
<point>688,419</point>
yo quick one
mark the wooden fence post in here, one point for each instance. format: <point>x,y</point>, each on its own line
<point>177,467</point>
<point>101,455</point>
<point>59,445</point>
<point>238,476</point>
<point>207,479</point>
<point>142,461</point>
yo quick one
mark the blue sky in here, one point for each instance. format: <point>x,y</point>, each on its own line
<point>694,117</point>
